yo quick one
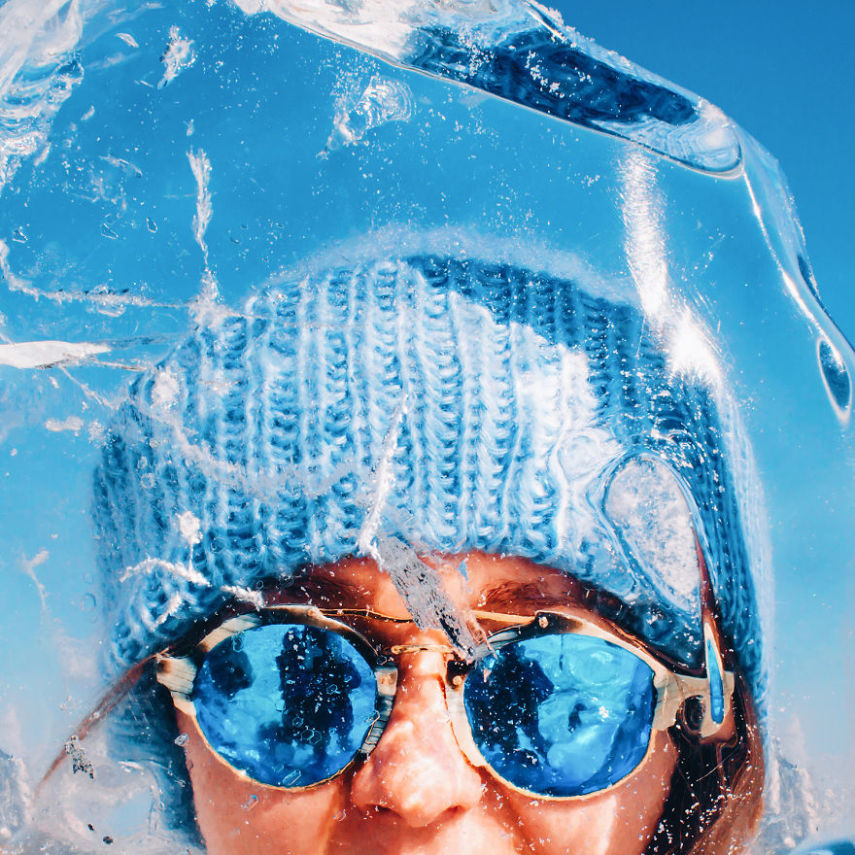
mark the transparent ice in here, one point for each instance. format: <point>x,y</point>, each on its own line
<point>159,163</point>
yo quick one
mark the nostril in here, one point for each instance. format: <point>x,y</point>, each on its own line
<point>418,777</point>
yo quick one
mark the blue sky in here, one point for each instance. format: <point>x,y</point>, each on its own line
<point>785,71</point>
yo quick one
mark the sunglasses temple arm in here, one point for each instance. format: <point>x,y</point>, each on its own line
<point>114,695</point>
<point>676,691</point>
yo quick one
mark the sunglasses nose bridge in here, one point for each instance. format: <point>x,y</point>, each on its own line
<point>416,768</point>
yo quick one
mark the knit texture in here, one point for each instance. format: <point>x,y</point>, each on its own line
<point>445,404</point>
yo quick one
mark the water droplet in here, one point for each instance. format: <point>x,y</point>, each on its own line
<point>19,235</point>
<point>836,376</point>
<point>182,740</point>
<point>107,232</point>
<point>88,602</point>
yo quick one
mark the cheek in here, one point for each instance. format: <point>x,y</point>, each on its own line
<point>620,821</point>
<point>238,817</point>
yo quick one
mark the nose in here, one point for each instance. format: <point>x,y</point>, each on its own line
<point>417,770</point>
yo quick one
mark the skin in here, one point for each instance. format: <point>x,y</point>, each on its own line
<point>417,794</point>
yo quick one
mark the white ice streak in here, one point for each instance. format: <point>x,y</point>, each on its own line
<point>245,595</point>
<point>100,297</point>
<point>28,565</point>
<point>173,606</point>
<point>201,166</point>
<point>383,100</point>
<point>48,354</point>
<point>13,281</point>
<point>382,485</point>
<point>128,39</point>
<point>72,423</point>
<point>181,571</point>
<point>178,57</point>
<point>688,347</point>
<point>644,240</point>
<point>35,78</point>
<point>206,309</point>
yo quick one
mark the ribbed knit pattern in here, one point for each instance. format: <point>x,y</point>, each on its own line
<point>502,398</point>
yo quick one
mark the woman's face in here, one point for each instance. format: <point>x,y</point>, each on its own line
<point>416,792</point>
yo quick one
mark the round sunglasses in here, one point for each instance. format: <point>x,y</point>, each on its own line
<point>554,706</point>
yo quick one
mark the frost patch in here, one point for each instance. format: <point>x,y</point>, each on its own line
<point>178,56</point>
<point>190,528</point>
<point>165,390</point>
<point>72,423</point>
<point>383,100</point>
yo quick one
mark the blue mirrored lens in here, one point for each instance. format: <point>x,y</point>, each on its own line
<point>287,704</point>
<point>561,715</point>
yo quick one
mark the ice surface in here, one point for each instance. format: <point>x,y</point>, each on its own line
<point>161,164</point>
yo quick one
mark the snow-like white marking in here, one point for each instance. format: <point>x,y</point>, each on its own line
<point>165,389</point>
<point>644,240</point>
<point>46,354</point>
<point>245,595</point>
<point>201,167</point>
<point>28,565</point>
<point>149,565</point>
<point>190,527</point>
<point>178,57</point>
<point>383,484</point>
<point>72,423</point>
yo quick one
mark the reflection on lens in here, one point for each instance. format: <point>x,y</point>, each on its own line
<point>561,715</point>
<point>287,704</point>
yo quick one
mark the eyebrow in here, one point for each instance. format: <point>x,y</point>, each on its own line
<point>510,596</point>
<point>501,596</point>
<point>327,590</point>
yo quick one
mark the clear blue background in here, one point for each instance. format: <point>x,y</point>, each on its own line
<point>785,71</point>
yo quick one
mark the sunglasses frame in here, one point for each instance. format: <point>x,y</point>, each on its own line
<point>177,673</point>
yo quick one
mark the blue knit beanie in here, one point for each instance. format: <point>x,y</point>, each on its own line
<point>417,404</point>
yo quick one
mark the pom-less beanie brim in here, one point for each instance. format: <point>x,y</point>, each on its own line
<point>438,404</point>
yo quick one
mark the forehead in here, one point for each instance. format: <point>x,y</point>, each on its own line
<point>470,580</point>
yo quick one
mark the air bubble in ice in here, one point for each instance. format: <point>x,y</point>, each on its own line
<point>836,376</point>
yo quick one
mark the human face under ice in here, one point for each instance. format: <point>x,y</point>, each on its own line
<point>416,792</point>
